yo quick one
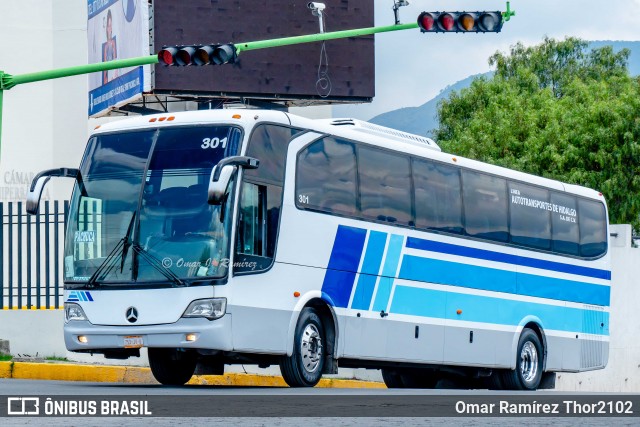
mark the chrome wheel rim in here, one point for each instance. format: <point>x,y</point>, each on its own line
<point>528,362</point>
<point>311,348</point>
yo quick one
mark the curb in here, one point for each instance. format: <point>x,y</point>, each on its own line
<point>139,375</point>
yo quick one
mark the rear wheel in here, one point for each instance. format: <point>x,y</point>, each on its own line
<point>304,367</point>
<point>170,366</point>
<point>419,378</point>
<point>392,378</point>
<point>529,362</point>
<point>410,378</point>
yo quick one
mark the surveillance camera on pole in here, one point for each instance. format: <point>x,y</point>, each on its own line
<point>317,10</point>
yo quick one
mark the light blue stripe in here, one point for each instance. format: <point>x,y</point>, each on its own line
<point>491,279</point>
<point>375,250</point>
<point>444,305</point>
<point>456,274</point>
<point>370,268</point>
<point>389,270</point>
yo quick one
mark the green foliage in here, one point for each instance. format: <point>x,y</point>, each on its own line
<point>5,357</point>
<point>559,111</point>
<point>56,359</point>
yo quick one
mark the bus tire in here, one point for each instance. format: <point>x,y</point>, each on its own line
<point>170,366</point>
<point>392,378</point>
<point>304,367</point>
<point>529,363</point>
<point>419,378</point>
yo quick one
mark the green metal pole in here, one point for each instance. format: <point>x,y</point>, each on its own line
<point>263,44</point>
<point>8,81</point>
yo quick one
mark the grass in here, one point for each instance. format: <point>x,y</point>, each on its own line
<point>57,359</point>
<point>5,357</point>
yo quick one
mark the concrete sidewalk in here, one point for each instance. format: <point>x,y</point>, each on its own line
<point>139,375</point>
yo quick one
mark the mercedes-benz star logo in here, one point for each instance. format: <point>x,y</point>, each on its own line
<point>132,314</point>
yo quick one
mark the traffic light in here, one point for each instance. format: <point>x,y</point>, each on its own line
<point>460,22</point>
<point>182,56</point>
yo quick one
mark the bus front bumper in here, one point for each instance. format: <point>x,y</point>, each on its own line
<point>208,334</point>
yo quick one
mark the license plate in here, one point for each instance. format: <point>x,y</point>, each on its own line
<point>133,342</point>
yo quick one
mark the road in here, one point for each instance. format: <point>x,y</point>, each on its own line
<point>284,407</point>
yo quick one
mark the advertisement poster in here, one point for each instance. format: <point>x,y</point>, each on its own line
<point>117,29</point>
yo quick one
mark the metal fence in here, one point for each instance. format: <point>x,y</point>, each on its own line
<point>31,254</point>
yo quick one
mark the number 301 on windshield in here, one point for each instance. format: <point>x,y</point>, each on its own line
<point>214,143</point>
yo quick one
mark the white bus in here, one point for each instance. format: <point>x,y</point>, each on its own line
<point>259,237</point>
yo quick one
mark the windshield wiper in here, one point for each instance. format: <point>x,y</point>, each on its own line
<point>157,264</point>
<point>110,261</point>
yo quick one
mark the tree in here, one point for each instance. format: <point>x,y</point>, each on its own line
<point>559,111</point>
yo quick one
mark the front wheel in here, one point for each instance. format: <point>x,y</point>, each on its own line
<point>170,366</point>
<point>529,358</point>
<point>304,367</point>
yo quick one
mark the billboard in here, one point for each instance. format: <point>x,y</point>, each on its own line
<point>345,71</point>
<point>117,29</point>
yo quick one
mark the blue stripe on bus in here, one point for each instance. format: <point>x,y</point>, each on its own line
<point>491,279</point>
<point>447,248</point>
<point>475,308</point>
<point>394,250</point>
<point>343,264</point>
<point>370,269</point>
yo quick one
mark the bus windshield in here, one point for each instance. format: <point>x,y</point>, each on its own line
<point>142,216</point>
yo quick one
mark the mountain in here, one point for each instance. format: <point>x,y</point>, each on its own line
<point>423,120</point>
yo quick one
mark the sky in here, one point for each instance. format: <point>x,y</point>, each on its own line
<point>412,68</point>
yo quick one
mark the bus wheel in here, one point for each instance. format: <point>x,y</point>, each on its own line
<point>170,366</point>
<point>419,378</point>
<point>304,367</point>
<point>528,372</point>
<point>392,378</point>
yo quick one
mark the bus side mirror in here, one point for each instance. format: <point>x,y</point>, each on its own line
<point>222,174</point>
<point>40,180</point>
<point>218,188</point>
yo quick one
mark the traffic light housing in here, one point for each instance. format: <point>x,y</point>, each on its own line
<point>183,56</point>
<point>460,22</point>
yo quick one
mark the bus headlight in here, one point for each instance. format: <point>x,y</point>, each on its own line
<point>73,312</point>
<point>210,308</point>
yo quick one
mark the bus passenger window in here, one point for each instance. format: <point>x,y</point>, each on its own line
<point>530,216</point>
<point>438,197</point>
<point>593,228</point>
<point>326,177</point>
<point>485,206</point>
<point>564,224</point>
<point>385,186</point>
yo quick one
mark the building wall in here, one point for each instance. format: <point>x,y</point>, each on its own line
<point>44,122</point>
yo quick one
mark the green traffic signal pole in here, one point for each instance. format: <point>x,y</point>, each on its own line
<point>8,81</point>
<point>286,41</point>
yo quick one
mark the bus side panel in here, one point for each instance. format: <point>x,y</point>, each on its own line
<point>263,304</point>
